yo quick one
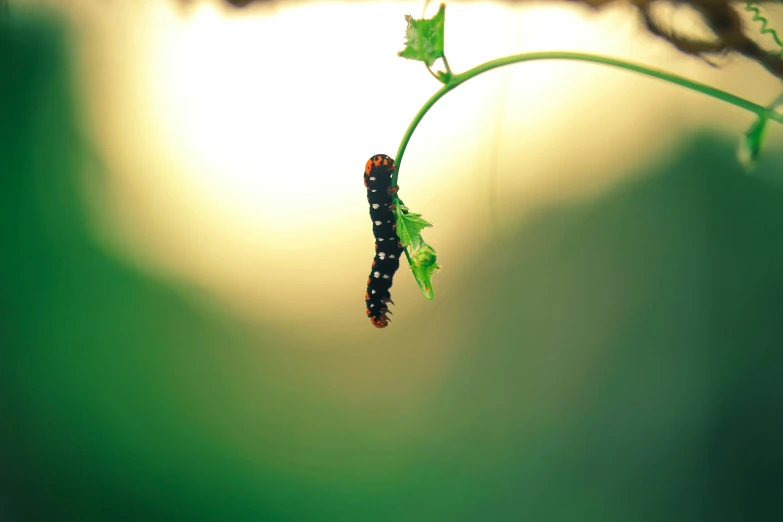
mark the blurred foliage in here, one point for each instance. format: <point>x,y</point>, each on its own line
<point>720,18</point>
<point>233,3</point>
<point>617,360</point>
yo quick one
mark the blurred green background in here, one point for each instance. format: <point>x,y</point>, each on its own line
<point>617,359</point>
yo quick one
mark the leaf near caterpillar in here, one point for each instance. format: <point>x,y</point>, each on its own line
<point>423,256</point>
<point>424,266</point>
<point>409,226</point>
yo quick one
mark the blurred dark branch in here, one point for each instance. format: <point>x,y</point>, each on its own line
<point>234,3</point>
<point>721,17</point>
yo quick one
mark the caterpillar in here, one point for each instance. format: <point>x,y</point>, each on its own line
<point>377,178</point>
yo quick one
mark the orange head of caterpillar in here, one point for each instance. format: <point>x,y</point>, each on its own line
<point>378,160</point>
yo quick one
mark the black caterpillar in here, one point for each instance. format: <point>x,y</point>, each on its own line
<point>377,179</point>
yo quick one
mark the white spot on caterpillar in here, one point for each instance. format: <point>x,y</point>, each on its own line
<point>391,256</point>
<point>371,305</point>
<point>372,179</point>
<point>381,255</point>
<point>373,292</point>
<point>376,275</point>
<point>377,222</point>
<point>386,276</point>
<point>373,190</point>
<point>389,221</point>
<point>380,239</point>
<point>375,205</point>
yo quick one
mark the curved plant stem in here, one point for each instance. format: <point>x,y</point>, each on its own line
<point>458,79</point>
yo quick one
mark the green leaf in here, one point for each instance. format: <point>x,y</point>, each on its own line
<point>424,38</point>
<point>424,265</point>
<point>421,255</point>
<point>751,141</point>
<point>409,226</point>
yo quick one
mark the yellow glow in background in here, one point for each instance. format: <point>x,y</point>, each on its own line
<point>235,139</point>
<point>604,340</point>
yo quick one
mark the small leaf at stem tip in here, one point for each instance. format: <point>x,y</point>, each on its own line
<point>750,143</point>
<point>424,265</point>
<point>443,76</point>
<point>424,38</point>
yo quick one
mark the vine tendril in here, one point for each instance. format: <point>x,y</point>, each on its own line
<point>753,8</point>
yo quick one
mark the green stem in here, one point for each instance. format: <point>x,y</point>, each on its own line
<point>432,73</point>
<point>458,79</point>
<point>446,64</point>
